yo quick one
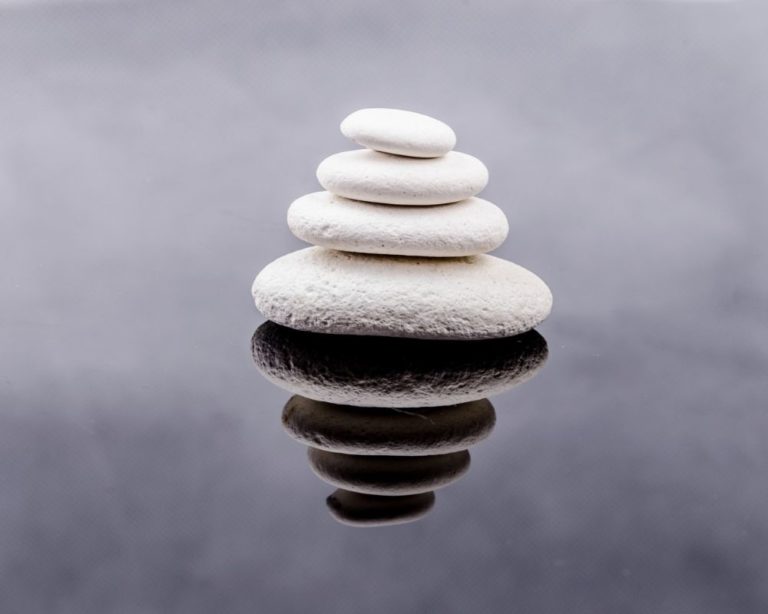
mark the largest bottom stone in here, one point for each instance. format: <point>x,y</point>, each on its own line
<point>328,291</point>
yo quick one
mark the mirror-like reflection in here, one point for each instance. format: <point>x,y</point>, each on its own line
<point>394,372</point>
<point>357,509</point>
<point>388,475</point>
<point>389,421</point>
<point>387,431</point>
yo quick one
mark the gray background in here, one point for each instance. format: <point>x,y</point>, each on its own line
<point>148,152</point>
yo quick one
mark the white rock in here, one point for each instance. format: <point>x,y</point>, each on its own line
<point>329,291</point>
<point>394,372</point>
<point>363,174</point>
<point>399,132</point>
<point>469,227</point>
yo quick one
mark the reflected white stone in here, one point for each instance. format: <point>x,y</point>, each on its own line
<point>394,372</point>
<point>363,174</point>
<point>469,227</point>
<point>399,132</point>
<point>388,475</point>
<point>388,432</point>
<point>329,291</point>
<point>359,510</point>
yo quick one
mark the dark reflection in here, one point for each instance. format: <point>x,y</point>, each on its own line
<point>393,372</point>
<point>386,431</point>
<point>357,509</point>
<point>388,475</point>
<point>389,421</point>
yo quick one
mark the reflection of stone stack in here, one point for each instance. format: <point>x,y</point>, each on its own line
<point>393,372</point>
<point>390,420</point>
<point>400,243</point>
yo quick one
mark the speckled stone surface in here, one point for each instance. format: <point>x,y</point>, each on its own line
<point>363,174</point>
<point>477,297</point>
<point>469,227</point>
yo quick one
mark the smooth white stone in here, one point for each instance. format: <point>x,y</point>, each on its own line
<point>469,227</point>
<point>364,174</point>
<point>476,297</point>
<point>399,132</point>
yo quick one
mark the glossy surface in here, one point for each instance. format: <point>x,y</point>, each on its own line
<point>145,173</point>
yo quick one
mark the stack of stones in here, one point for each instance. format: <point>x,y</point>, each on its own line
<point>400,243</point>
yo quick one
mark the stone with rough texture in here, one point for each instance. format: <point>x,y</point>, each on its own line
<point>328,291</point>
<point>363,174</point>
<point>399,132</point>
<point>394,372</point>
<point>385,431</point>
<point>469,227</point>
<point>388,475</point>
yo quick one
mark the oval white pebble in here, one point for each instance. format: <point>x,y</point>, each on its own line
<point>399,132</point>
<point>469,227</point>
<point>364,174</point>
<point>329,291</point>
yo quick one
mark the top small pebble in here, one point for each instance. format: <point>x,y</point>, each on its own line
<point>403,133</point>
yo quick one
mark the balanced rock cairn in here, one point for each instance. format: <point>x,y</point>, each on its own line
<point>400,243</point>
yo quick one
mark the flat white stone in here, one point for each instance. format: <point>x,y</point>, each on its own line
<point>399,132</point>
<point>328,291</point>
<point>469,227</point>
<point>368,372</point>
<point>364,174</point>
